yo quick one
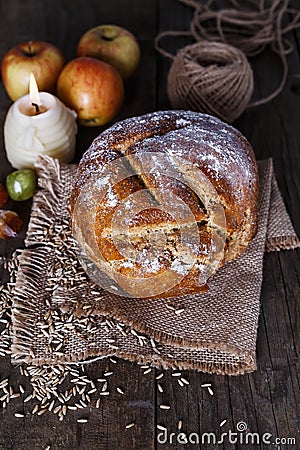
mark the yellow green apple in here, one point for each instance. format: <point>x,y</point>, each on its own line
<point>42,58</point>
<point>21,184</point>
<point>112,44</point>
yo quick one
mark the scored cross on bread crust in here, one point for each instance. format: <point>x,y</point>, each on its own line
<point>141,202</point>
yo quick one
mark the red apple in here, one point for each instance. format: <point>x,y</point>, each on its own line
<point>43,59</point>
<point>112,44</point>
<point>93,88</point>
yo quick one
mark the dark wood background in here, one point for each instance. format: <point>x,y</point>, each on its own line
<point>267,400</point>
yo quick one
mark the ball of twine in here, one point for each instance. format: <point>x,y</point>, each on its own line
<point>211,77</point>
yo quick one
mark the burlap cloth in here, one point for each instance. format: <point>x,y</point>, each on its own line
<point>61,316</point>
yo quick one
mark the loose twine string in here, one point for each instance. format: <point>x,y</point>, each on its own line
<point>250,26</point>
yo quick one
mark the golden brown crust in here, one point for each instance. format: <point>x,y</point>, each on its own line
<point>217,149</point>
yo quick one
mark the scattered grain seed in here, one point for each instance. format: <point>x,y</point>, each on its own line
<point>180,383</point>
<point>120,391</point>
<point>35,409</point>
<point>206,385</point>
<point>210,391</point>
<point>82,420</point>
<point>171,307</point>
<point>176,374</point>
<point>164,406</point>
<point>184,380</point>
<point>44,400</point>
<point>58,408</point>
<point>50,407</point>
<point>107,374</point>
<point>104,393</point>
<point>92,391</point>
<point>159,376</point>
<point>159,387</point>
<point>98,403</point>
<point>81,391</point>
<point>113,347</point>
<point>152,342</point>
<point>4,383</point>
<point>179,311</point>
<point>22,390</point>
<point>223,422</point>
<point>83,403</point>
<point>130,425</point>
<point>16,395</point>
<point>147,371</point>
<point>19,415</point>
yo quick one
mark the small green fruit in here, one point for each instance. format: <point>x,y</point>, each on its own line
<point>21,184</point>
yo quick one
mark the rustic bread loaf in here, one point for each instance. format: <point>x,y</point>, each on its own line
<point>145,195</point>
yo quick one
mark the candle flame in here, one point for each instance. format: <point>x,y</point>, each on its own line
<point>34,91</point>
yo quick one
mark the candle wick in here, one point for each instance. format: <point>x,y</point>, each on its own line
<point>37,109</point>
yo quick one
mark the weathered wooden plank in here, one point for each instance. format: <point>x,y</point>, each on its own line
<point>172,15</point>
<point>62,23</point>
<point>274,133</point>
<point>259,399</point>
<point>106,426</point>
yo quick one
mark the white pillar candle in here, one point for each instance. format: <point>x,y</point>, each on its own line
<point>28,133</point>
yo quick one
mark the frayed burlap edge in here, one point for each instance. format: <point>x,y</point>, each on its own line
<point>24,320</point>
<point>282,243</point>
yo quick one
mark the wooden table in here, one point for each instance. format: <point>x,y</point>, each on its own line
<point>267,400</point>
